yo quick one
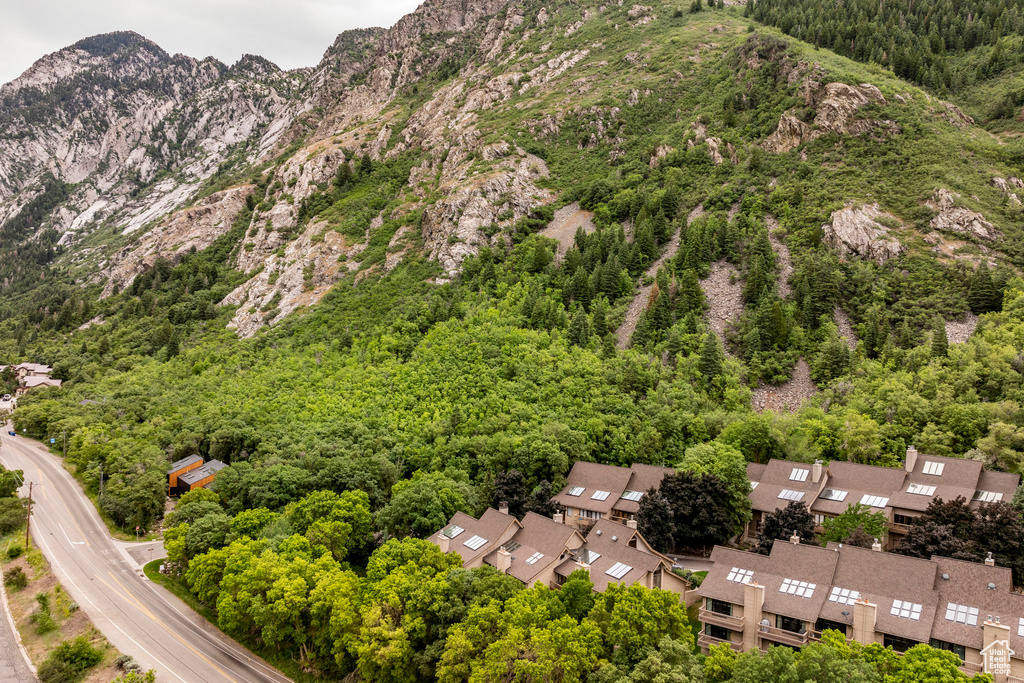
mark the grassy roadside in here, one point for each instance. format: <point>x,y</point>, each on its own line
<point>45,614</point>
<point>276,659</point>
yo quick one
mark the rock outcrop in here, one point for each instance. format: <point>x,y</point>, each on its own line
<point>855,231</point>
<point>953,218</point>
<point>835,106</point>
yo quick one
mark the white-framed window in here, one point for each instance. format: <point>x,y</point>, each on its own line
<point>600,495</point>
<point>532,559</point>
<point>576,491</point>
<point>874,501</point>
<point>738,575</point>
<point>590,514</point>
<point>799,474</point>
<point>632,495</point>
<point>820,519</point>
<point>906,610</point>
<point>801,589</point>
<point>618,570</point>
<point>962,614</point>
<point>844,596</point>
<point>475,542</point>
<point>987,496</point>
<point>921,490</point>
<point>834,494</point>
<point>791,495</point>
<point>934,468</point>
<point>452,531</point>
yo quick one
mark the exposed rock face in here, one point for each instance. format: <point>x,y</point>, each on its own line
<point>194,228</point>
<point>953,218</point>
<point>1004,186</point>
<point>835,106</point>
<point>855,231</point>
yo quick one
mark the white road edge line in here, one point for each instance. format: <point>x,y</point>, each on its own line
<point>14,627</point>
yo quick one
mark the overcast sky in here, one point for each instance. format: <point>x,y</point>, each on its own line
<point>290,33</point>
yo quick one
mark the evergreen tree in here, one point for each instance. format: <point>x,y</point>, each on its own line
<point>689,296</point>
<point>711,359</point>
<point>642,333</point>
<point>661,314</point>
<point>982,296</point>
<point>940,342</point>
<point>579,329</point>
<point>173,345</point>
<point>600,317</point>
<point>655,521</point>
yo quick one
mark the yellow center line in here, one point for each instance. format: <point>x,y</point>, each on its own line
<point>149,614</point>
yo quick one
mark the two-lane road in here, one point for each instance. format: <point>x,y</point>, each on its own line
<point>138,617</point>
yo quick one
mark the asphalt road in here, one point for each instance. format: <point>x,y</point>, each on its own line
<point>138,617</point>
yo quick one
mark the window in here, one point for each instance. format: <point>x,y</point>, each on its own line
<point>801,589</point>
<point>576,491</point>
<point>834,494</point>
<point>798,474</point>
<point>1020,628</point>
<point>475,542</point>
<point>820,519</point>
<point>874,501</point>
<point>987,496</point>
<point>791,495</point>
<point>958,650</point>
<point>588,556</point>
<point>717,632</point>
<point>720,607</point>
<point>452,531</point>
<point>600,495</point>
<point>590,514</point>
<point>738,575</point>
<point>532,559</point>
<point>898,644</point>
<point>934,468</point>
<point>829,625</point>
<point>844,596</point>
<point>511,546</point>
<point>906,520</point>
<point>906,610</point>
<point>753,485</point>
<point>632,495</point>
<point>921,490</point>
<point>962,614</point>
<point>618,570</point>
<point>789,624</point>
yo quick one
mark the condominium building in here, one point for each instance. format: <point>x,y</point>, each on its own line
<point>789,597</point>
<point>538,549</point>
<point>901,493</point>
<point>597,491</point>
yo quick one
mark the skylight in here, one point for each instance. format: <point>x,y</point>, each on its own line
<point>452,531</point>
<point>475,542</point>
<point>798,474</point>
<point>844,596</point>
<point>934,468</point>
<point>921,490</point>
<point>791,495</point>
<point>576,490</point>
<point>874,501</point>
<point>738,575</point>
<point>962,614</point>
<point>1020,627</point>
<point>906,610</point>
<point>987,496</point>
<point>532,559</point>
<point>632,495</point>
<point>753,485</point>
<point>801,589</point>
<point>618,570</point>
<point>600,495</point>
<point>834,494</point>
<point>511,546</point>
<point>588,557</point>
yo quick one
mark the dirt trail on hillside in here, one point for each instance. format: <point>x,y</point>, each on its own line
<point>643,296</point>
<point>845,328</point>
<point>787,397</point>
<point>565,223</point>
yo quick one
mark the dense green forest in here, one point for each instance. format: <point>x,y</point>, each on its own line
<point>355,428</point>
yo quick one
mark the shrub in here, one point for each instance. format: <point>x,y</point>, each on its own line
<point>14,552</point>
<point>16,579</point>
<point>69,661</point>
<point>43,619</point>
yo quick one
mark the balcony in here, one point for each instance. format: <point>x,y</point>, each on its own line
<point>781,635</point>
<point>705,641</point>
<point>724,620</point>
<point>971,668</point>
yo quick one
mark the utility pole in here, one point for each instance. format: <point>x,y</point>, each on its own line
<point>28,517</point>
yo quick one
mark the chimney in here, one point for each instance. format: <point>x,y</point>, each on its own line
<point>444,542</point>
<point>503,507</point>
<point>864,614</point>
<point>504,560</point>
<point>816,471</point>
<point>753,609</point>
<point>996,640</point>
<point>911,458</point>
<point>989,562</point>
<point>631,524</point>
<point>794,539</point>
<point>876,546</point>
<point>557,517</point>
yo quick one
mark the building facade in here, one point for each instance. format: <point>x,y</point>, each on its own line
<point>594,492</point>
<point>791,596</point>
